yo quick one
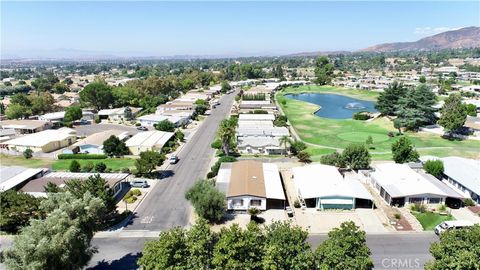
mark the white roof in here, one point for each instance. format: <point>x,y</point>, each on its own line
<point>317,181</point>
<point>274,131</point>
<point>12,176</point>
<point>399,180</point>
<point>258,141</point>
<point>149,138</point>
<point>464,171</point>
<point>255,124</point>
<point>42,138</point>
<point>52,116</point>
<point>255,117</point>
<point>160,117</point>
<point>254,102</point>
<point>273,184</point>
<point>72,175</point>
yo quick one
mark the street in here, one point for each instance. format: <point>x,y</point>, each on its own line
<point>166,207</point>
<point>389,251</point>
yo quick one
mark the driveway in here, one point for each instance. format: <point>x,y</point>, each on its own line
<point>465,214</point>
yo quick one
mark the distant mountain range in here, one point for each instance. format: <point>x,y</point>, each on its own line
<point>468,37</point>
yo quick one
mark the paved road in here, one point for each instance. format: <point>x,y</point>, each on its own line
<point>165,206</point>
<point>389,251</point>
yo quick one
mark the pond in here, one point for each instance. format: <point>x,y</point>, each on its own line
<point>335,106</point>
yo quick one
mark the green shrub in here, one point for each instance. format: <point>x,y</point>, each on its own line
<point>434,167</point>
<point>137,124</point>
<point>442,207</point>
<point>398,216</point>
<point>469,202</point>
<point>125,170</point>
<point>81,156</point>
<point>136,192</point>
<point>130,199</point>
<point>361,116</point>
<point>296,204</point>
<point>28,153</point>
<point>418,207</point>
<point>74,166</point>
<point>88,167</point>
<point>217,144</point>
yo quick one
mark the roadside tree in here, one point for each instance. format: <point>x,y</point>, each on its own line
<point>148,161</point>
<point>208,201</point>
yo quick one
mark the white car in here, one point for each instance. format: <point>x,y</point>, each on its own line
<point>452,224</point>
<point>173,159</point>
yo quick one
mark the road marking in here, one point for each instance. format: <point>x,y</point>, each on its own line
<point>147,220</point>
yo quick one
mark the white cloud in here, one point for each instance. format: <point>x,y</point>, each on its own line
<point>427,30</point>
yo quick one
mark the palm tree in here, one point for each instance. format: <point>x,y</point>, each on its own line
<point>226,132</point>
<point>285,140</point>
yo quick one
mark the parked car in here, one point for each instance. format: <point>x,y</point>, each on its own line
<point>289,211</point>
<point>139,183</point>
<point>452,224</point>
<point>142,128</point>
<point>173,159</point>
<point>84,122</point>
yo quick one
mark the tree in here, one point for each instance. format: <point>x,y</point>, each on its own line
<point>52,188</point>
<point>333,159</point>
<point>148,161</point>
<point>434,167</point>
<point>471,110</point>
<point>285,140</point>
<point>304,156</point>
<point>97,95</point>
<point>239,249</point>
<point>453,113</point>
<point>323,70</point>
<point>226,132</point>
<point>60,88</point>
<point>200,242</point>
<point>369,142</point>
<point>113,146</point>
<point>345,248</point>
<point>208,201</point>
<point>165,125</point>
<point>297,147</point>
<point>127,113</point>
<point>41,102</point>
<point>17,209</point>
<point>100,167</point>
<point>422,79</point>
<point>16,111</point>
<point>60,241</point>
<point>200,109</point>
<point>225,87</point>
<point>388,100</point>
<point>280,121</point>
<point>179,135</point>
<point>73,113</point>
<point>286,247</point>
<point>457,249</point>
<point>96,186</point>
<point>28,153</point>
<point>416,108</point>
<point>74,166</point>
<point>356,156</point>
<point>403,151</point>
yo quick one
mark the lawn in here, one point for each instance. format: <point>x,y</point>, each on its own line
<point>330,134</point>
<point>429,220</point>
<point>21,161</point>
<point>116,164</point>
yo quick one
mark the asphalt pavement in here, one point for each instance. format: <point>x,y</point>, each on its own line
<point>165,206</point>
<point>389,251</point>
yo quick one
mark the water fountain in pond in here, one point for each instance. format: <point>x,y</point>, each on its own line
<point>354,106</point>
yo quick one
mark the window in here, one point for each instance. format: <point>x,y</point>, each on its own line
<point>255,202</point>
<point>434,200</point>
<point>237,202</point>
<point>415,200</point>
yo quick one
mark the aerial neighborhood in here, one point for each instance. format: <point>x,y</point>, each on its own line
<point>358,159</point>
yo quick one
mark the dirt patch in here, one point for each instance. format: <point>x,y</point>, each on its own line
<point>403,225</point>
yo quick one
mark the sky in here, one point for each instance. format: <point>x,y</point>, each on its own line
<point>124,28</point>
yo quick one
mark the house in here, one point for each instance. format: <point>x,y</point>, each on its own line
<point>257,105</point>
<point>93,144</point>
<point>400,185</point>
<point>251,184</point>
<point>323,187</point>
<point>116,181</point>
<point>119,114</point>
<point>175,105</point>
<point>463,175</point>
<point>262,132</point>
<point>44,141</point>
<point>25,126</point>
<point>148,141</point>
<point>256,117</point>
<point>56,117</point>
<point>152,119</point>
<point>260,145</point>
<point>12,177</point>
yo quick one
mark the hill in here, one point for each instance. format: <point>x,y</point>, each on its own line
<point>468,37</point>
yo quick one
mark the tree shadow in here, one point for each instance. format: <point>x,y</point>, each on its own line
<point>128,261</point>
<point>165,174</point>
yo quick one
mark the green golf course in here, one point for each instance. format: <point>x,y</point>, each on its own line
<point>324,135</point>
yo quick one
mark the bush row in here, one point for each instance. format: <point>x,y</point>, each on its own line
<point>81,156</point>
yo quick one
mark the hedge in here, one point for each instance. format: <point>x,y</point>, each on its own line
<point>81,156</point>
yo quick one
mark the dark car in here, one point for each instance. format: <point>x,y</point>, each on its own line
<point>142,128</point>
